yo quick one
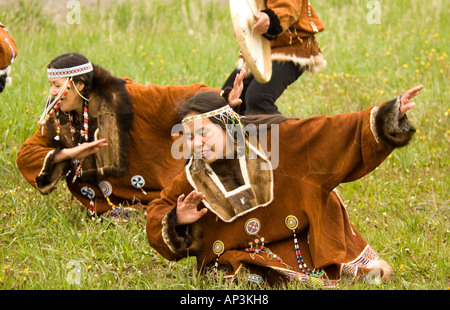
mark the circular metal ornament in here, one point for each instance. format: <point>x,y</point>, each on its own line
<point>291,222</point>
<point>106,188</point>
<point>138,181</point>
<point>252,226</point>
<point>218,247</point>
<point>87,192</point>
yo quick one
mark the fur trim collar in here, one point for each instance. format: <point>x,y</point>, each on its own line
<point>229,203</point>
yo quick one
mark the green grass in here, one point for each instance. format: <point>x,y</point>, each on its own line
<point>402,208</point>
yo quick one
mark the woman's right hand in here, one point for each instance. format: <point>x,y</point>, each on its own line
<point>80,151</point>
<point>187,212</point>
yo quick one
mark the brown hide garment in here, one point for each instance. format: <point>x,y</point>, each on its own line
<point>315,156</point>
<point>137,121</point>
<point>295,40</point>
<point>8,48</point>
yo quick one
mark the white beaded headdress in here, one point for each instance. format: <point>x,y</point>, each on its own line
<point>67,73</point>
<point>221,114</point>
<point>228,117</point>
<point>70,72</point>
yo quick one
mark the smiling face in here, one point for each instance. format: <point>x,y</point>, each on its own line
<point>72,101</point>
<point>206,140</point>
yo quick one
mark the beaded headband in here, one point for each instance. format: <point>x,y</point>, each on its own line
<point>224,109</point>
<point>69,72</point>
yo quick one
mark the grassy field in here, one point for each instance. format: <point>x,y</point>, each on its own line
<point>402,208</point>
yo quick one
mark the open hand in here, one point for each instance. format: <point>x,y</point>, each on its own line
<point>80,151</point>
<point>238,86</point>
<point>406,103</point>
<point>187,212</point>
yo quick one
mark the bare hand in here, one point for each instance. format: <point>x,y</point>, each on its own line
<point>238,86</point>
<point>406,103</point>
<point>80,151</point>
<point>262,24</point>
<point>187,212</point>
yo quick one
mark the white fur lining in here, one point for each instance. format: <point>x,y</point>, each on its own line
<point>373,113</point>
<point>314,63</point>
<point>45,162</point>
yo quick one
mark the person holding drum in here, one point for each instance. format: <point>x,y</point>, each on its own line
<point>291,26</point>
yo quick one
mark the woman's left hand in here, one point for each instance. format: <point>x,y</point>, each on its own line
<point>406,103</point>
<point>262,23</point>
<point>235,94</point>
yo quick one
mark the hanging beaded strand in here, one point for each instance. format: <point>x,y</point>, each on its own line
<point>51,105</point>
<point>218,248</point>
<point>313,26</point>
<point>57,110</point>
<point>83,136</point>
<point>85,121</point>
<point>292,223</point>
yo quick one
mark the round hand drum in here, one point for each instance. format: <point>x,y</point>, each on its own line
<point>254,47</point>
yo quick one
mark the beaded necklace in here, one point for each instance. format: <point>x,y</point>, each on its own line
<point>83,138</point>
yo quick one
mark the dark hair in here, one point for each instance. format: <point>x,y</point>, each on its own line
<point>206,101</point>
<point>73,59</point>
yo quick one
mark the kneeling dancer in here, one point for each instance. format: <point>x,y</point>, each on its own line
<point>278,219</point>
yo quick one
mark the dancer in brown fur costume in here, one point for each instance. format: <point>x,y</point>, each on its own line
<point>280,218</point>
<point>108,137</point>
<point>8,52</point>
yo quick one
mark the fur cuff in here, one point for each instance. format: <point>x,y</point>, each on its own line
<point>275,28</point>
<point>181,240</point>
<point>51,173</point>
<point>393,131</point>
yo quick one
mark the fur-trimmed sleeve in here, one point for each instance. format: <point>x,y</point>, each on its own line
<point>171,241</point>
<point>35,161</point>
<point>275,28</point>
<point>388,128</point>
<point>330,150</point>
